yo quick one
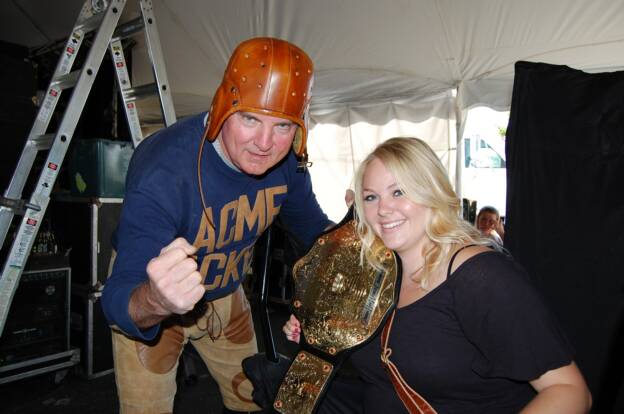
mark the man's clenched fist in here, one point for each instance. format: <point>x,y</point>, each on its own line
<point>175,284</point>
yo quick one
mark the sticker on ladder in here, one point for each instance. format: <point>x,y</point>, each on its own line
<point>49,175</point>
<point>67,60</point>
<point>120,64</point>
<point>48,105</point>
<point>22,242</point>
<point>133,121</point>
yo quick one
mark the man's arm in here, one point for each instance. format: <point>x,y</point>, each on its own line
<point>143,310</point>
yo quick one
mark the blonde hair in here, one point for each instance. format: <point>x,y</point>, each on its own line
<point>423,180</point>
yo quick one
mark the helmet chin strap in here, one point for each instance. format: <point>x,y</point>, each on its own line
<point>199,183</point>
<point>303,164</point>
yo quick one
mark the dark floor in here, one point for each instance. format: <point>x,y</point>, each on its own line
<point>68,392</point>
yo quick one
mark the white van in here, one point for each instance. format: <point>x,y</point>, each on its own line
<point>484,175</point>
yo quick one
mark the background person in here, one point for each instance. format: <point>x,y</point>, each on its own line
<point>198,196</point>
<point>490,223</point>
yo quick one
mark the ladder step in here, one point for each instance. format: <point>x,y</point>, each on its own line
<point>18,206</point>
<point>127,29</point>
<point>42,142</point>
<point>90,24</point>
<point>66,81</point>
<point>139,92</point>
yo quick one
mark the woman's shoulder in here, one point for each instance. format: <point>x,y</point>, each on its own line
<point>466,254</point>
<point>484,261</point>
<point>481,267</point>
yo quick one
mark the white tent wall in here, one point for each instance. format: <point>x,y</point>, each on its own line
<point>342,137</point>
<point>366,50</point>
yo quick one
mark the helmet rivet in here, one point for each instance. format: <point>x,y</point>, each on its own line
<point>309,71</point>
<point>294,94</point>
<point>246,55</point>
<point>234,70</point>
<point>244,79</point>
<point>259,85</point>
<point>296,73</point>
<point>305,94</point>
<point>262,64</point>
<point>266,47</point>
<point>296,56</point>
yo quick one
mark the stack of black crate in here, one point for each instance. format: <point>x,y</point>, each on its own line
<point>90,251</point>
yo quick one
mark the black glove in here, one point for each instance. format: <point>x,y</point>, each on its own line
<point>266,377</point>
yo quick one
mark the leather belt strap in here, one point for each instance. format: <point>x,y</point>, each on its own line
<point>414,402</point>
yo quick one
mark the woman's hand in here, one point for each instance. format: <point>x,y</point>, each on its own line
<point>292,329</point>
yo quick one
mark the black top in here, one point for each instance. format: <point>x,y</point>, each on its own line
<point>470,345</point>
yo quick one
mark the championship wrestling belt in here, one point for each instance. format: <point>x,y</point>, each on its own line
<point>340,305</point>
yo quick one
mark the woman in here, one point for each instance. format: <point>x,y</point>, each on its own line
<point>469,334</point>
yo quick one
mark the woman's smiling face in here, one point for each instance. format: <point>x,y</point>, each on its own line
<point>398,221</point>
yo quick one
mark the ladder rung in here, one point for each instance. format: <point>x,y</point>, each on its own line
<point>91,23</point>
<point>18,206</point>
<point>142,91</point>
<point>66,81</point>
<point>127,29</point>
<point>42,142</point>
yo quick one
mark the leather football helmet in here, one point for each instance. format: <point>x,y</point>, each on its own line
<point>267,76</point>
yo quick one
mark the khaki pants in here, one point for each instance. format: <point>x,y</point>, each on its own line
<point>223,336</point>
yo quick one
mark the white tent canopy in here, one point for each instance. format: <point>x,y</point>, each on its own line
<point>383,68</point>
<point>368,50</point>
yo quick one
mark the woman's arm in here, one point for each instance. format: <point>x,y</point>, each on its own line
<point>561,390</point>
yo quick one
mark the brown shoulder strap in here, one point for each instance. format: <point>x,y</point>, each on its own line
<point>414,402</point>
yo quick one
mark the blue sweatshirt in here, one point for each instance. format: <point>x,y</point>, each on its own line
<point>162,202</point>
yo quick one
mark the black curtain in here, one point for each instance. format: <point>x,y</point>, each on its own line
<point>565,210</point>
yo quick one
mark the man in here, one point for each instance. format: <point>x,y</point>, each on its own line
<point>198,196</point>
<point>490,224</point>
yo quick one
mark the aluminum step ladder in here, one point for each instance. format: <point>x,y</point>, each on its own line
<point>102,18</point>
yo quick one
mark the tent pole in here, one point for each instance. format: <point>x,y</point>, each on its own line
<point>461,115</point>
<point>459,130</point>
